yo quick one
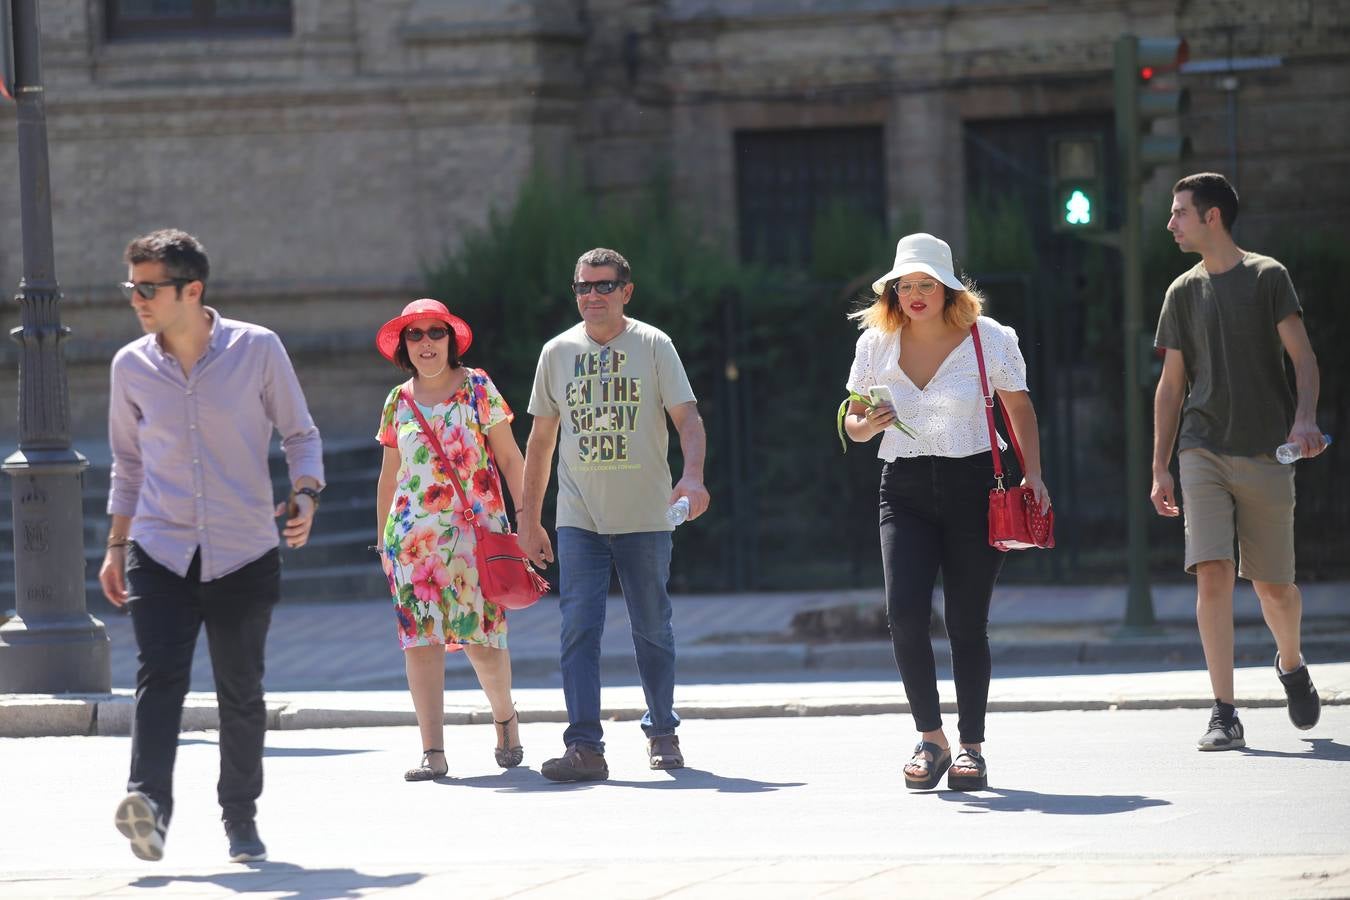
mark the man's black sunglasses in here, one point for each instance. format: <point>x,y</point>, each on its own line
<point>148,289</point>
<point>582,288</point>
<point>436,333</point>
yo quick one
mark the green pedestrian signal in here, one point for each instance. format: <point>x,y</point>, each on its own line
<point>1077,182</point>
<point>1078,211</point>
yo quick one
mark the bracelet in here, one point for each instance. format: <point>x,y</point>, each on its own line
<point>376,547</point>
<point>311,493</point>
<point>119,542</point>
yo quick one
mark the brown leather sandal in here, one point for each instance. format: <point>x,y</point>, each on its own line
<point>426,772</point>
<point>507,757</point>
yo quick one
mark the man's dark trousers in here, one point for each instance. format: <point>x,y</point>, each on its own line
<point>168,612</point>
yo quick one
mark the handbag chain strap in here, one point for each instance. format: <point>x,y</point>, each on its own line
<point>435,443</point>
<point>989,398</point>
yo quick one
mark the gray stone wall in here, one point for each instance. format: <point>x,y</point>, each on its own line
<point>324,170</point>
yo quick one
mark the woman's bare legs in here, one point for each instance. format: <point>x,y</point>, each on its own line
<point>493,668</point>
<point>426,682</point>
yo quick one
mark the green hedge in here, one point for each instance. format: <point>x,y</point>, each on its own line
<point>768,352</point>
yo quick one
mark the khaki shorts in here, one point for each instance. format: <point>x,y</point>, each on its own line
<point>1247,497</point>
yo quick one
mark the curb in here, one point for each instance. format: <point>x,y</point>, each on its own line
<point>110,714</point>
<point>878,655</point>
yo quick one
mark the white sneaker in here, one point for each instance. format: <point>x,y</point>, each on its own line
<point>139,821</point>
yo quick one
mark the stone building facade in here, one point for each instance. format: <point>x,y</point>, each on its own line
<point>327,165</point>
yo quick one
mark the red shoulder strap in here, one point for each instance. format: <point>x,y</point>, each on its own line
<point>445,461</point>
<point>989,398</point>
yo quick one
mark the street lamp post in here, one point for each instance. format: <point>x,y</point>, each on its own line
<point>52,645</point>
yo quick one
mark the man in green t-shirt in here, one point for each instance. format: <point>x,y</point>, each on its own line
<point>1225,326</point>
<point>607,384</point>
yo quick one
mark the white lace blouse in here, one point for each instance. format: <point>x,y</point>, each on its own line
<point>948,414</point>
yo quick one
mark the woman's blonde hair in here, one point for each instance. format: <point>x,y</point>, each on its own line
<point>885,313</point>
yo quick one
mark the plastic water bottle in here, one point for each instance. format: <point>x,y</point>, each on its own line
<point>678,512</point>
<point>1291,452</point>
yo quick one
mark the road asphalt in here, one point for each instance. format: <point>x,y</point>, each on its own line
<point>1080,804</point>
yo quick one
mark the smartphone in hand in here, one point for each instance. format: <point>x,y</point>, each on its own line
<point>881,393</point>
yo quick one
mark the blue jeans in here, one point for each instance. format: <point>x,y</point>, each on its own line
<point>643,563</point>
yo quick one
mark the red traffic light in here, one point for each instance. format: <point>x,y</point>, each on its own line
<point>1146,73</point>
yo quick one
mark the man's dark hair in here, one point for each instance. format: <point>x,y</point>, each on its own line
<point>601,256</point>
<point>404,361</point>
<point>182,254</point>
<point>1210,190</point>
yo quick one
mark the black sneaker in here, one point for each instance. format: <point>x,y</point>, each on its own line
<point>1225,731</point>
<point>577,764</point>
<point>245,845</point>
<point>1305,707</point>
<point>139,820</point>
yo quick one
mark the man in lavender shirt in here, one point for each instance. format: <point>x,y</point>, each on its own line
<point>193,542</point>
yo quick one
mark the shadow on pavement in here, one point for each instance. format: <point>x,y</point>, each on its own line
<point>287,881</point>
<point>524,780</point>
<point>286,751</point>
<point>1050,804</point>
<point>1321,748</point>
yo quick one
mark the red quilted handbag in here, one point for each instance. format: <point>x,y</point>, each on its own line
<point>1015,518</point>
<point>505,576</point>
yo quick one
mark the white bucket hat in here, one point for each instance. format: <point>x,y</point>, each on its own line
<point>921,253</point>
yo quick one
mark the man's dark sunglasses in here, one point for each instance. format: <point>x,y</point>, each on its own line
<point>148,289</point>
<point>582,288</point>
<point>436,333</point>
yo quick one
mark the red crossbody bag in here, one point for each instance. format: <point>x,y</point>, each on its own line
<point>505,575</point>
<point>1015,518</point>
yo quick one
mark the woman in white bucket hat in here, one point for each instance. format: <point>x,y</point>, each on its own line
<point>916,349</point>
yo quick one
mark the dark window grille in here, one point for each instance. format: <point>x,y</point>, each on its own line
<point>786,179</point>
<point>130,19</point>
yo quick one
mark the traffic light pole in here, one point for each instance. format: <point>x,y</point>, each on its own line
<point>52,645</point>
<point>1139,617</point>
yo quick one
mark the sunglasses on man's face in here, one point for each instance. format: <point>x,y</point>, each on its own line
<point>436,333</point>
<point>582,288</point>
<point>148,289</point>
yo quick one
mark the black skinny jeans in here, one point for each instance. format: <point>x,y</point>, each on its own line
<point>934,516</point>
<point>167,612</point>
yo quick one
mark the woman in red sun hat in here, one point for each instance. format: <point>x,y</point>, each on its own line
<point>426,544</point>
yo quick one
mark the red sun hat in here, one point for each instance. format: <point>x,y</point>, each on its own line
<point>386,340</point>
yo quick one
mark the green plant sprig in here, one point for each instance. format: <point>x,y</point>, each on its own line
<point>867,402</point>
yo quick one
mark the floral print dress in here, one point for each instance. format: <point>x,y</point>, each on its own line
<point>427,540</point>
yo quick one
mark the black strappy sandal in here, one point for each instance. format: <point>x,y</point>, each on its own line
<point>936,767</point>
<point>425,772</point>
<point>968,759</point>
<point>507,757</point>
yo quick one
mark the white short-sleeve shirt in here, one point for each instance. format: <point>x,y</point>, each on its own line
<point>948,414</point>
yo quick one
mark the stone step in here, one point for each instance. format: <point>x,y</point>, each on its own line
<point>363,581</point>
<point>326,547</point>
<point>356,513</point>
<point>346,461</point>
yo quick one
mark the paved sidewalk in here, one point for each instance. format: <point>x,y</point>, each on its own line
<point>352,646</point>
<point>338,664</point>
<point>992,878</point>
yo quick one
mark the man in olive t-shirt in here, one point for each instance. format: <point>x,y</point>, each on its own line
<point>608,383</point>
<point>1226,326</point>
